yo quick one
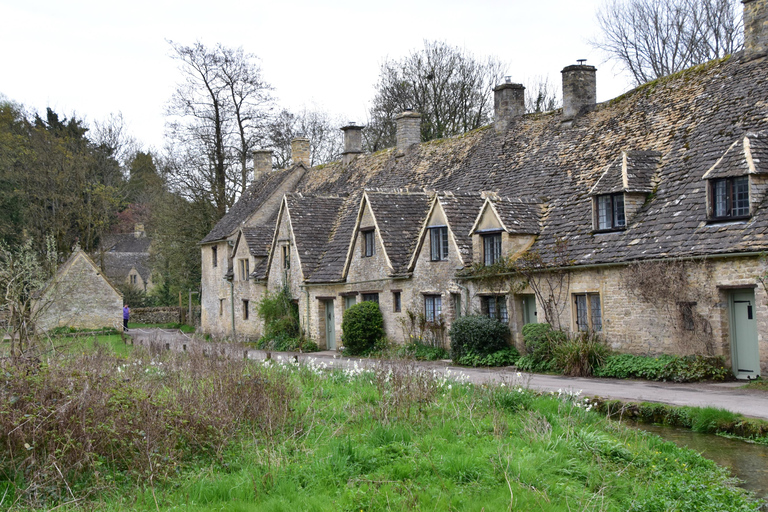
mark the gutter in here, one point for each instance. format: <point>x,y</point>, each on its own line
<point>625,263</point>
<point>395,278</point>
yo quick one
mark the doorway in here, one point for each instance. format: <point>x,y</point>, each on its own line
<point>330,326</point>
<point>529,309</point>
<point>744,350</point>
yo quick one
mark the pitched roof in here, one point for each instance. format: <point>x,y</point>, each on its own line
<point>311,220</point>
<point>399,217</point>
<point>748,155</point>
<point>259,239</point>
<point>519,216</point>
<point>117,265</point>
<point>691,119</point>
<point>632,171</point>
<point>458,209</point>
<point>126,242</point>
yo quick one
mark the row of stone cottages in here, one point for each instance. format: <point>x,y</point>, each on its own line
<point>655,201</point>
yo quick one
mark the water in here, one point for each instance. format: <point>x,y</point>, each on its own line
<point>747,461</point>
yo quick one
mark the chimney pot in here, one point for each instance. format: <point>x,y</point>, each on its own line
<point>408,130</point>
<point>300,151</point>
<point>579,90</point>
<point>508,103</point>
<point>353,142</point>
<point>755,28</point>
<point>262,163</point>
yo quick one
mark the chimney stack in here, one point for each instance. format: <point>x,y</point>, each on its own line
<point>408,130</point>
<point>579,90</point>
<point>353,142</point>
<point>508,103</point>
<point>300,151</point>
<point>262,163</point>
<point>755,28</point>
<point>138,230</point>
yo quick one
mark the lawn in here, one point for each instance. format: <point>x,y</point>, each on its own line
<point>185,432</point>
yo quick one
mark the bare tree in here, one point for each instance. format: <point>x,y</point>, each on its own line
<point>654,38</point>
<point>323,132</point>
<point>541,95</point>
<point>215,114</point>
<point>451,88</point>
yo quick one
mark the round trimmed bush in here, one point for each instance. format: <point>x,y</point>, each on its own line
<point>362,328</point>
<point>477,335</point>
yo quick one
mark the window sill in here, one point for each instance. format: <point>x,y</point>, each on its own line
<point>611,230</point>
<point>720,220</point>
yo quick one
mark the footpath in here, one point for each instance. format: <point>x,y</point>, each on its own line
<point>725,395</point>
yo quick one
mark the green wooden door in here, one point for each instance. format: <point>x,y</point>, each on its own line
<point>330,326</point>
<point>744,350</point>
<point>529,309</point>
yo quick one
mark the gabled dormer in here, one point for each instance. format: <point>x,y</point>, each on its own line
<point>505,227</point>
<point>622,189</point>
<point>736,183</point>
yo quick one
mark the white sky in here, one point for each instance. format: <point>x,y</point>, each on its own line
<point>96,57</point>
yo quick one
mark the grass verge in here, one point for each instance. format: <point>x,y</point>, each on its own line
<point>185,432</point>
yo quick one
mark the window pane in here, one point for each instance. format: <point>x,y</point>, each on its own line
<point>597,317</point>
<point>434,237</point>
<point>721,198</point>
<point>397,305</point>
<point>503,314</point>
<point>372,297</point>
<point>490,306</point>
<point>443,243</point>
<point>369,243</point>
<point>349,301</point>
<point>604,212</point>
<point>740,196</point>
<point>581,312</point>
<point>491,248</point>
<point>618,211</point>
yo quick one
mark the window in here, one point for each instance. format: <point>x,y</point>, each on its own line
<point>245,309</point>
<point>371,297</point>
<point>349,301</point>
<point>588,313</point>
<point>397,304</point>
<point>221,307</point>
<point>491,248</point>
<point>369,243</point>
<point>495,306</point>
<point>438,238</point>
<point>286,257</point>
<point>610,212</point>
<point>730,197</point>
<point>433,307</point>
<point>244,269</point>
<point>134,281</point>
<point>215,256</point>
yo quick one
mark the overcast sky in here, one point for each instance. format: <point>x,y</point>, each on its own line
<point>96,57</point>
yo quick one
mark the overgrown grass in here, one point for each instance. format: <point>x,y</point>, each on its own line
<point>389,437</point>
<point>759,384</point>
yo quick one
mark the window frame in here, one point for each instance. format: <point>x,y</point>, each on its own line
<point>370,297</point>
<point>614,222</point>
<point>215,256</point>
<point>369,242</point>
<point>286,257</point>
<point>397,301</point>
<point>438,243</point>
<point>731,204</point>
<point>246,314</point>
<point>499,311</point>
<point>244,266</point>
<point>433,308</point>
<point>349,301</point>
<point>494,240</point>
<point>588,312</point>
<point>133,279</point>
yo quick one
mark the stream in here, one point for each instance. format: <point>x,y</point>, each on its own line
<point>747,461</point>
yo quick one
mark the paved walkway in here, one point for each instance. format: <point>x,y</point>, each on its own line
<point>726,395</point>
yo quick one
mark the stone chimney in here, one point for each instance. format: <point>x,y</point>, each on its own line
<point>262,163</point>
<point>138,230</point>
<point>408,130</point>
<point>508,103</point>
<point>353,143</point>
<point>579,90</point>
<point>755,28</point>
<point>300,151</point>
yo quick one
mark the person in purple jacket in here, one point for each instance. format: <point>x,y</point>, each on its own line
<point>126,316</point>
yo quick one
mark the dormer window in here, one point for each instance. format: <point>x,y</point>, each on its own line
<point>438,237</point>
<point>369,243</point>
<point>610,212</point>
<point>491,248</point>
<point>730,197</point>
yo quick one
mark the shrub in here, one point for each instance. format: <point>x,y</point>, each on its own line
<point>504,357</point>
<point>665,367</point>
<point>579,355</point>
<point>362,328</point>
<point>477,336</point>
<point>540,341</point>
<point>422,351</point>
<point>281,321</point>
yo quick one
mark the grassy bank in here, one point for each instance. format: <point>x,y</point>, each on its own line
<point>184,432</point>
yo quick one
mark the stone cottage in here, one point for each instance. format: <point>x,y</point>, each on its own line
<point>125,259</point>
<point>643,218</point>
<point>79,296</point>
